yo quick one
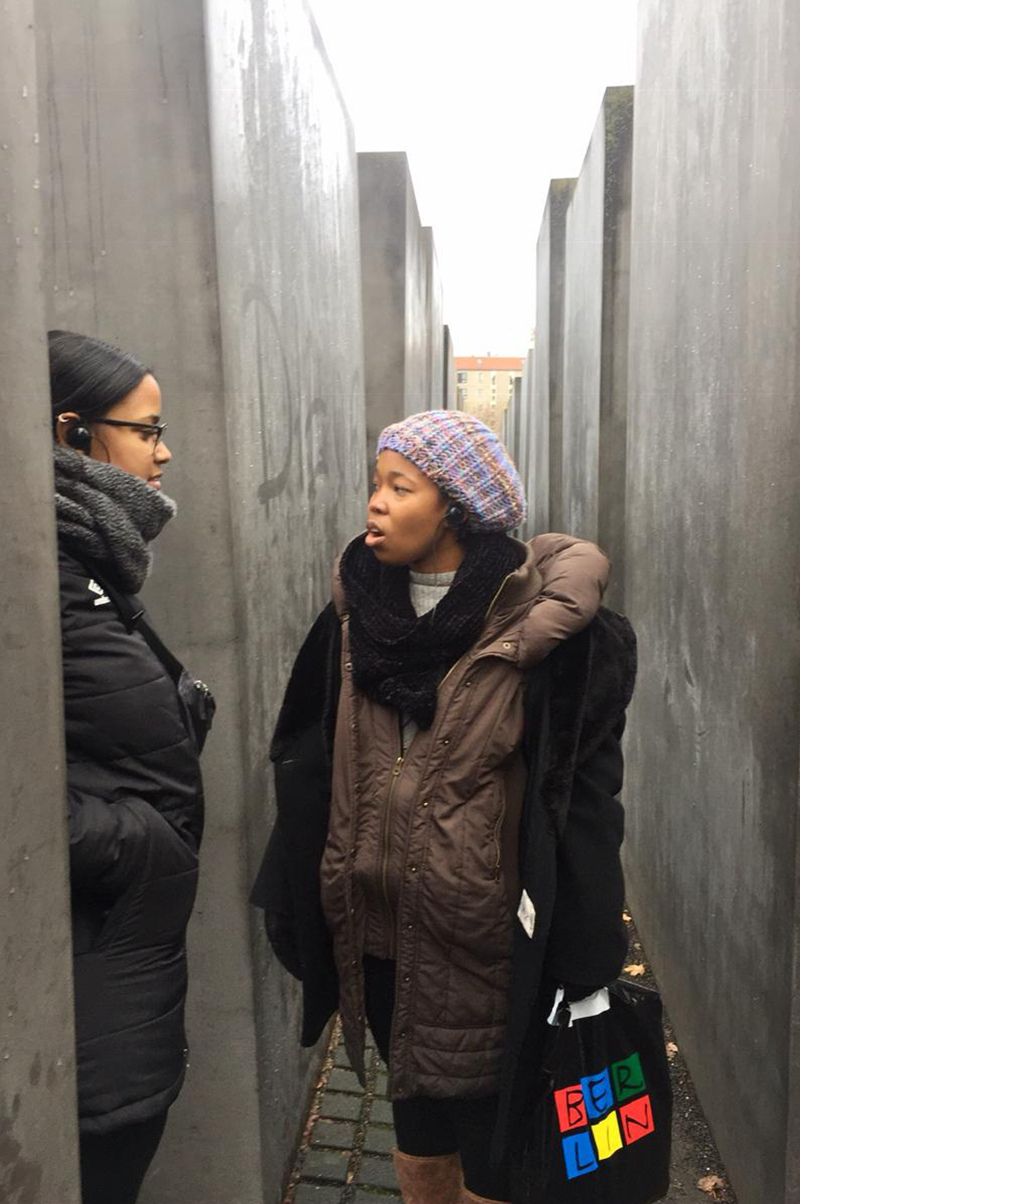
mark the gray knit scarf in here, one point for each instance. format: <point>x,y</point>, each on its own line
<point>108,516</point>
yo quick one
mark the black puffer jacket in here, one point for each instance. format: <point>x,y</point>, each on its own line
<point>135,812</point>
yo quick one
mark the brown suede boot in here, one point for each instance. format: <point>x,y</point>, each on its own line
<point>468,1197</point>
<point>437,1180</point>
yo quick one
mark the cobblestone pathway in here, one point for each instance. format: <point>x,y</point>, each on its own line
<point>346,1153</point>
<point>345,1156</point>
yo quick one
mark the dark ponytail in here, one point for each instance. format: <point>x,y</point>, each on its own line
<point>88,376</point>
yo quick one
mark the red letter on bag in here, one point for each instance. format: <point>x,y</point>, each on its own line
<point>569,1104</point>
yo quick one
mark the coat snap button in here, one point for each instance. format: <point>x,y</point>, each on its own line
<point>350,664</point>
<point>424,802</point>
<point>413,869</point>
<point>507,646</point>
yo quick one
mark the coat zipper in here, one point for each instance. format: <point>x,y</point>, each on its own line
<point>386,817</point>
<point>398,768</point>
<point>487,613</point>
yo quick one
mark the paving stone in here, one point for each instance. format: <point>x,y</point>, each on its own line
<point>382,1111</point>
<point>337,1134</point>
<point>312,1193</point>
<point>341,1079</point>
<point>340,1106</point>
<point>379,1140</point>
<point>377,1172</point>
<point>325,1164</point>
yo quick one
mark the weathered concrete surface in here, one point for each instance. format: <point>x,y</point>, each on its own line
<point>535,486</point>
<point>712,537</point>
<point>511,419</point>
<point>417,375</point>
<point>595,339</point>
<point>201,211</point>
<point>395,266</point>
<point>545,436</point>
<point>38,1108</point>
<point>448,399</point>
<point>435,356</point>
<point>288,269</point>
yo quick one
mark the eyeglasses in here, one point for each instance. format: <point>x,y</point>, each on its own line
<point>152,430</point>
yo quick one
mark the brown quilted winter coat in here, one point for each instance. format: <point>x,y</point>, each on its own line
<point>420,859</point>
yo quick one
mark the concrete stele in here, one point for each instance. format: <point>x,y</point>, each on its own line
<point>712,543</point>
<point>595,339</point>
<point>545,434</point>
<point>38,1104</point>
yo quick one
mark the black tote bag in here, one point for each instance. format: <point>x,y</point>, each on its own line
<point>602,1130</point>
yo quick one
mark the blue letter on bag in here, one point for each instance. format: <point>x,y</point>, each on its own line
<point>597,1090</point>
<point>580,1156</point>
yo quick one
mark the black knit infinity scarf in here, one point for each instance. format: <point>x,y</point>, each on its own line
<point>108,517</point>
<point>399,659</point>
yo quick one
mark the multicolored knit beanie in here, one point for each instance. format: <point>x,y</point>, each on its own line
<point>465,458</point>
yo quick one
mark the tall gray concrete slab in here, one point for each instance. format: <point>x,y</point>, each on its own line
<point>526,449</point>
<point>417,378</point>
<point>436,346</point>
<point>712,548</point>
<point>508,434</point>
<point>288,270</point>
<point>545,446</point>
<point>394,292</point>
<point>203,213</point>
<point>38,1106</point>
<point>382,180</point>
<point>448,401</point>
<point>595,339</point>
<point>511,421</point>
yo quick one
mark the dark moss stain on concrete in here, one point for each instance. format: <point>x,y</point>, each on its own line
<point>20,1177</point>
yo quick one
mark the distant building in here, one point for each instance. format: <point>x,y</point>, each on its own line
<point>484,386</point>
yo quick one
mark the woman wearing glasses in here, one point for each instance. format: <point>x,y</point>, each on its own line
<point>134,724</point>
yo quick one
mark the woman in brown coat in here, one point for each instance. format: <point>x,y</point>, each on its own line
<point>463,698</point>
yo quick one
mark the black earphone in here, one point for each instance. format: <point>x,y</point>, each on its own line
<point>455,515</point>
<point>78,436</point>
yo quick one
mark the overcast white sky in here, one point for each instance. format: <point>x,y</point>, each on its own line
<point>490,101</point>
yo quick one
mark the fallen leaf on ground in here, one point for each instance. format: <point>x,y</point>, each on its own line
<point>634,970</point>
<point>671,1048</point>
<point>714,1185</point>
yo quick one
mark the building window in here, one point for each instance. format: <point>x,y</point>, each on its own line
<point>461,378</point>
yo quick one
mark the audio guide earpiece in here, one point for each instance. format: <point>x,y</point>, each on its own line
<point>78,436</point>
<point>455,515</point>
